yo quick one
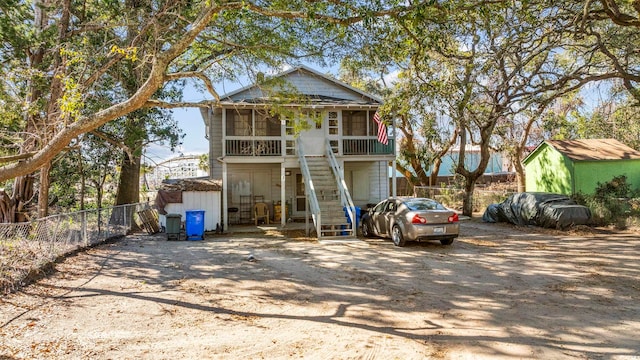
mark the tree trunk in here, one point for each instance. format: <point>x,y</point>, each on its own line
<point>128,189</point>
<point>16,206</point>
<point>129,183</point>
<point>467,203</point>
<point>83,179</point>
<point>43,192</point>
<point>99,194</point>
<point>435,170</point>
<point>520,176</point>
<point>7,213</point>
<point>471,177</point>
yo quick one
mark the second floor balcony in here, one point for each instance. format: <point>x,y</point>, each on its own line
<point>272,146</point>
<point>257,133</point>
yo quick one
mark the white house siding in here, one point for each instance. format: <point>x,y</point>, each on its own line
<point>380,181</point>
<point>209,201</point>
<point>367,181</point>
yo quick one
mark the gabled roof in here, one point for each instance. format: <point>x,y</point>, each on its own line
<point>590,149</point>
<point>250,91</point>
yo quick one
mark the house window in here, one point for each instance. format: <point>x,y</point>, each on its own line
<point>354,123</point>
<point>266,124</point>
<point>289,127</point>
<point>261,125</point>
<point>335,146</point>
<point>333,123</point>
<point>239,122</point>
<point>290,147</point>
<point>248,122</point>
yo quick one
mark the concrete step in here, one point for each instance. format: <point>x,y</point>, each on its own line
<point>332,209</point>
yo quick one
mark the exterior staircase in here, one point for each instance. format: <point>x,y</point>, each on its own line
<point>327,196</point>
<point>334,223</point>
<point>334,220</point>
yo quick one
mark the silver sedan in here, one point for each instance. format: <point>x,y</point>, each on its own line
<point>411,219</point>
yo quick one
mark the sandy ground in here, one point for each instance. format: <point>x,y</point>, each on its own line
<point>497,292</point>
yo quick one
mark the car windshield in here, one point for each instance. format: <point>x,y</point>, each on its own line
<point>423,204</point>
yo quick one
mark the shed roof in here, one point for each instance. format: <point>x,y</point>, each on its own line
<point>191,184</point>
<point>594,149</point>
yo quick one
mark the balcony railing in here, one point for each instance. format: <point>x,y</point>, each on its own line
<point>255,147</point>
<point>367,147</point>
<point>273,147</point>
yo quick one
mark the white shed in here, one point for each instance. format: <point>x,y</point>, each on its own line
<point>180,196</point>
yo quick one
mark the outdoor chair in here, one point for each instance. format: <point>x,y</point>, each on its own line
<point>261,211</point>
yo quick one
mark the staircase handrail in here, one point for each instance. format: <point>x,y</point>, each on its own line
<point>309,189</point>
<point>345,196</point>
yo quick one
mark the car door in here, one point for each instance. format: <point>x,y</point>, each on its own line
<point>378,219</point>
<point>382,215</point>
<point>388,216</point>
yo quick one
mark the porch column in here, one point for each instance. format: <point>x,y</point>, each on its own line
<point>393,163</point>
<point>283,194</point>
<point>225,200</point>
<point>393,178</point>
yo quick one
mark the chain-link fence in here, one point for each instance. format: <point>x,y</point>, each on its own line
<point>26,248</point>
<point>453,197</point>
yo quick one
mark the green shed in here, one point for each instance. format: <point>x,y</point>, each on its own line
<point>574,166</point>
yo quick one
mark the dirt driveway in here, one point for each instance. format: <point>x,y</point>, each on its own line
<point>497,292</point>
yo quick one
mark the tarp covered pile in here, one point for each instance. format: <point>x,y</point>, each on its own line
<point>539,209</point>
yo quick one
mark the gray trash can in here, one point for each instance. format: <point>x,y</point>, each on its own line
<point>173,226</point>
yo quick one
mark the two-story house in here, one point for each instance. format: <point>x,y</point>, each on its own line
<point>323,172</point>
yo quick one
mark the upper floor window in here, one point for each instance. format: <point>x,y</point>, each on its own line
<point>266,124</point>
<point>354,122</point>
<point>333,123</point>
<point>247,122</point>
<point>239,122</point>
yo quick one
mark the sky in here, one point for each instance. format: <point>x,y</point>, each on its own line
<point>194,142</point>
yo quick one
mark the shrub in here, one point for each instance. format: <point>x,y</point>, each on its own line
<point>613,202</point>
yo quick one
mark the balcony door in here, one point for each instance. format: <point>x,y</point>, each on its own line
<point>313,139</point>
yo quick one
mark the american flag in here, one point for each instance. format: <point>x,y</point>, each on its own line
<point>382,129</point>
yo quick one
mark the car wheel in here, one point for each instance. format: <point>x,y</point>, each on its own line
<point>446,241</point>
<point>396,236</point>
<point>366,232</point>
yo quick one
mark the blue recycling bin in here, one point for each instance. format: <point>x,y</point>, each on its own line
<point>356,213</point>
<point>194,224</point>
